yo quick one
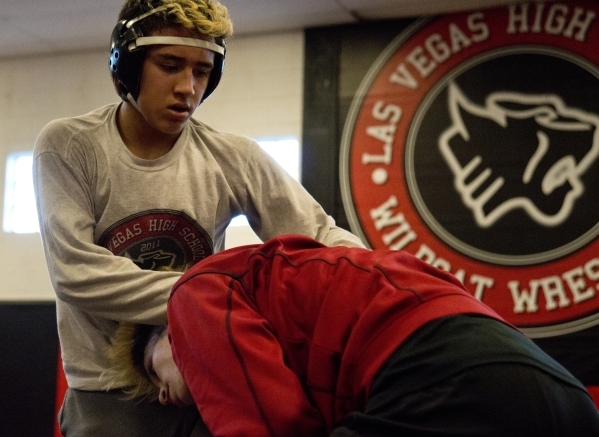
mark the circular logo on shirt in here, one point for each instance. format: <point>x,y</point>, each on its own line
<point>473,142</point>
<point>158,238</point>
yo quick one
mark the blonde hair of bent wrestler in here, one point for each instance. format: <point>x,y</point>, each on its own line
<point>144,364</point>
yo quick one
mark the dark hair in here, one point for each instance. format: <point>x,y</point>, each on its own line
<point>134,8</point>
<point>145,336</point>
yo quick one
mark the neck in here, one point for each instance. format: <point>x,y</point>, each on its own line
<point>140,138</point>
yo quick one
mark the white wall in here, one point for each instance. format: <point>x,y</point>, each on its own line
<point>260,95</point>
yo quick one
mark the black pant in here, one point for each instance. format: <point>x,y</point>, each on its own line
<point>470,376</point>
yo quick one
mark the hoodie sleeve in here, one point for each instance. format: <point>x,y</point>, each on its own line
<point>233,363</point>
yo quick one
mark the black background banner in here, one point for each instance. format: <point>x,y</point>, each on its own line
<point>337,62</point>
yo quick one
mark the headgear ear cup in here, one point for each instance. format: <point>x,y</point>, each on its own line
<point>125,65</point>
<point>126,59</point>
<point>217,70</point>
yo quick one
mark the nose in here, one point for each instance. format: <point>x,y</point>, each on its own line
<point>162,397</point>
<point>186,83</point>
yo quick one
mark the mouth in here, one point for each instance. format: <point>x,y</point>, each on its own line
<point>180,109</point>
<point>175,401</point>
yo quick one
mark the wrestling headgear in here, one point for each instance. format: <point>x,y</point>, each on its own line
<point>127,50</point>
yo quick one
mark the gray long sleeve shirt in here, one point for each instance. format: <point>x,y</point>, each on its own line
<point>95,200</point>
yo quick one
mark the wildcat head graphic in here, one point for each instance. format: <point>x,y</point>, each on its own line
<point>537,170</point>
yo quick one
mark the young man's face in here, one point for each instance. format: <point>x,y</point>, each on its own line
<point>161,368</point>
<point>173,81</point>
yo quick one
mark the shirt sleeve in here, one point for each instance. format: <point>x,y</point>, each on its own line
<point>82,273</point>
<point>233,364</point>
<point>277,204</point>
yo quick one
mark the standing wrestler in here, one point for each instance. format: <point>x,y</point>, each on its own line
<point>133,186</point>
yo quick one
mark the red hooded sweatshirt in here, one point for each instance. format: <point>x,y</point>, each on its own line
<point>285,338</point>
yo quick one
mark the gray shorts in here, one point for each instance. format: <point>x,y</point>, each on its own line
<point>107,414</point>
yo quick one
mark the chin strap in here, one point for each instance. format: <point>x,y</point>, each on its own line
<point>131,100</point>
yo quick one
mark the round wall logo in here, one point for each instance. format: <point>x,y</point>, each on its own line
<point>473,142</point>
<point>158,238</point>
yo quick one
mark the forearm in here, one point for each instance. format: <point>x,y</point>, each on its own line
<point>336,236</point>
<point>82,273</point>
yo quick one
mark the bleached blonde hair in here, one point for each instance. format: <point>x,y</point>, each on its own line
<point>127,353</point>
<point>208,17</point>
